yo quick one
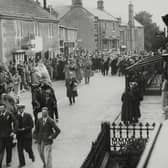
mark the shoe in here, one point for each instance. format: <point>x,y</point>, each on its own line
<point>8,165</point>
<point>33,159</point>
<point>21,165</point>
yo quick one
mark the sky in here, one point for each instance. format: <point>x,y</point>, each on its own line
<point>119,8</point>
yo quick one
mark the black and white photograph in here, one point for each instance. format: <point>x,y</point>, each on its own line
<point>83,83</point>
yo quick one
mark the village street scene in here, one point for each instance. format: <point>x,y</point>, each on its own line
<point>83,84</point>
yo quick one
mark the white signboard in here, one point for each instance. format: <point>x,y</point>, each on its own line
<point>37,44</point>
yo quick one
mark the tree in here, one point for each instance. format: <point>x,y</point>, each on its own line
<point>154,38</point>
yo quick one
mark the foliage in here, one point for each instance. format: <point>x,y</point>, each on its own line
<point>132,152</point>
<point>154,38</point>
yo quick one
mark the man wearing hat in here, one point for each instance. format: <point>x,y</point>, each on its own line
<point>24,135</point>
<point>8,126</point>
<point>46,131</point>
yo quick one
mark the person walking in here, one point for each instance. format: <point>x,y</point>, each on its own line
<point>45,132</point>
<point>87,70</point>
<point>78,71</point>
<point>71,85</point>
<point>8,128</point>
<point>50,102</point>
<point>24,135</point>
<point>16,85</point>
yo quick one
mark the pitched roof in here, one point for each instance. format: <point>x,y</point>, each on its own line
<point>62,11</point>
<point>137,24</point>
<point>101,14</point>
<point>24,8</point>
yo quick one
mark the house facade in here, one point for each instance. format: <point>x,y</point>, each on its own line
<point>97,29</point>
<point>24,25</point>
<point>67,40</point>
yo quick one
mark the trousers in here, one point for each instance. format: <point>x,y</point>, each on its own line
<point>24,144</point>
<point>45,152</point>
<point>5,144</point>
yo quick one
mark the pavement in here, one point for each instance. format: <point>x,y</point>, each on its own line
<point>80,124</point>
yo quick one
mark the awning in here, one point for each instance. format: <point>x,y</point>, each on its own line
<point>147,61</point>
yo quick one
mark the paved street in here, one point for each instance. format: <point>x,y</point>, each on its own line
<point>80,124</point>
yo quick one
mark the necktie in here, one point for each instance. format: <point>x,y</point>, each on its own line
<point>43,122</point>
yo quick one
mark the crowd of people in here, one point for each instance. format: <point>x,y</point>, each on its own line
<point>37,77</point>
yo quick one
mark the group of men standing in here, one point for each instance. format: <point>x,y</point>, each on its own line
<point>19,126</point>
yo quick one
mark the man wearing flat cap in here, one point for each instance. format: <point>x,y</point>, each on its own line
<point>24,135</point>
<point>46,131</point>
<point>8,127</point>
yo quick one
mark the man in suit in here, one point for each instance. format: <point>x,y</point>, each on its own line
<point>46,130</point>
<point>24,135</point>
<point>8,127</point>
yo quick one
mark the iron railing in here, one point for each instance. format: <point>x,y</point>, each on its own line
<point>122,134</point>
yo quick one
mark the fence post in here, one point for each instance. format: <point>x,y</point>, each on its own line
<point>108,136</point>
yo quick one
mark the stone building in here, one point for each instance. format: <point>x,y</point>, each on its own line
<point>24,24</point>
<point>131,34</point>
<point>67,40</point>
<point>28,29</point>
<point>97,29</point>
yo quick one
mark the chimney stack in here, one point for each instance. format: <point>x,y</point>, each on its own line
<point>100,4</point>
<point>131,14</point>
<point>45,4</point>
<point>77,3</point>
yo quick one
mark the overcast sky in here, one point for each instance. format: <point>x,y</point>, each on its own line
<point>120,7</point>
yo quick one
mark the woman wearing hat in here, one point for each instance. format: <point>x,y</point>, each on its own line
<point>71,85</point>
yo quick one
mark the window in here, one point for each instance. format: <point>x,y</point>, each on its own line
<point>50,30</point>
<point>19,29</point>
<point>122,37</point>
<point>113,25</point>
<point>104,27</point>
<point>36,29</point>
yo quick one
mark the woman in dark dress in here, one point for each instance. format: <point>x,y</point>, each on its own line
<point>127,106</point>
<point>137,98</point>
<point>71,85</point>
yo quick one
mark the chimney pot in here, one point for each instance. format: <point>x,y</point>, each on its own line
<point>45,4</point>
<point>100,4</point>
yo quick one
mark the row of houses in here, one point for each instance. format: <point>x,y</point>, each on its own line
<point>29,28</point>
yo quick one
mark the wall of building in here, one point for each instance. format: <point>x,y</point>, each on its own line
<point>84,21</point>
<point>123,35</point>
<point>16,33</point>
<point>108,30</point>
<point>67,36</point>
<point>134,43</point>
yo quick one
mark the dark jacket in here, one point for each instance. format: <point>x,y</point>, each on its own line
<point>71,84</point>
<point>25,126</point>
<point>8,124</point>
<point>43,132</point>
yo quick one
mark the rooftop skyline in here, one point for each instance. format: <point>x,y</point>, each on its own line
<point>119,8</point>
